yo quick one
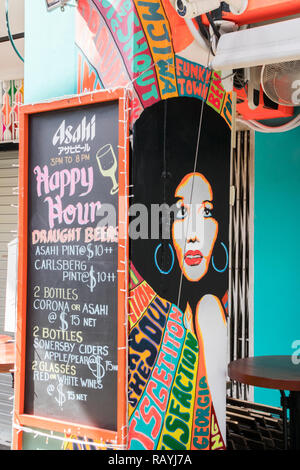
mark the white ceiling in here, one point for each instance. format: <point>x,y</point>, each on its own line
<point>11,66</point>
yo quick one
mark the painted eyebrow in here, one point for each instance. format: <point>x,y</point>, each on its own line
<point>178,198</point>
<point>208,202</point>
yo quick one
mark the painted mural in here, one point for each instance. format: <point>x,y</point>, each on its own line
<point>179,279</point>
<point>178,283</point>
<point>147,45</point>
<point>11,96</point>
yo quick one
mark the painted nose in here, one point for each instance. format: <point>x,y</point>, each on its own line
<point>192,238</point>
<point>195,231</point>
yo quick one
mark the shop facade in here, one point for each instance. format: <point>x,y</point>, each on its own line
<point>62,67</point>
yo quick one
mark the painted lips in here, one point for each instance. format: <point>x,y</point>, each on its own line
<point>193,258</point>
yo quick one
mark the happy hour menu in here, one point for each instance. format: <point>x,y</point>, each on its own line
<point>72,287</point>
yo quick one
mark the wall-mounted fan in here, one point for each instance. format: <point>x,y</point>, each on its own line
<point>281,82</point>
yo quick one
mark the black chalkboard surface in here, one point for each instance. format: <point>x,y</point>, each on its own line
<point>71,366</point>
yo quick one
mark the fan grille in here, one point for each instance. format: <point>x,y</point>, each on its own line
<point>281,82</point>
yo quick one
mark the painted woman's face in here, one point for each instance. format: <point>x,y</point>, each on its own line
<point>195,230</point>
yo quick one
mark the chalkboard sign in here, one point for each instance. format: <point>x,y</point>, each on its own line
<point>74,250</point>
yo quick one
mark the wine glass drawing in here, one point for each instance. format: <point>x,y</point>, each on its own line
<point>108,165</point>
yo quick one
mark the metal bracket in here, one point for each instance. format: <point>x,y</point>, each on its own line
<point>285,403</point>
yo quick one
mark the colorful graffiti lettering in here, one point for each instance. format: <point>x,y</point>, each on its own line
<point>144,341</point>
<point>138,302</point>
<point>193,79</point>
<point>177,430</point>
<point>169,398</point>
<point>146,46</point>
<point>156,27</point>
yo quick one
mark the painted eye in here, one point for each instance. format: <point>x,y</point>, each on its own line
<point>207,212</point>
<point>182,213</point>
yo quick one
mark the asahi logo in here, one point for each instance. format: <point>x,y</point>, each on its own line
<point>69,135</point>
